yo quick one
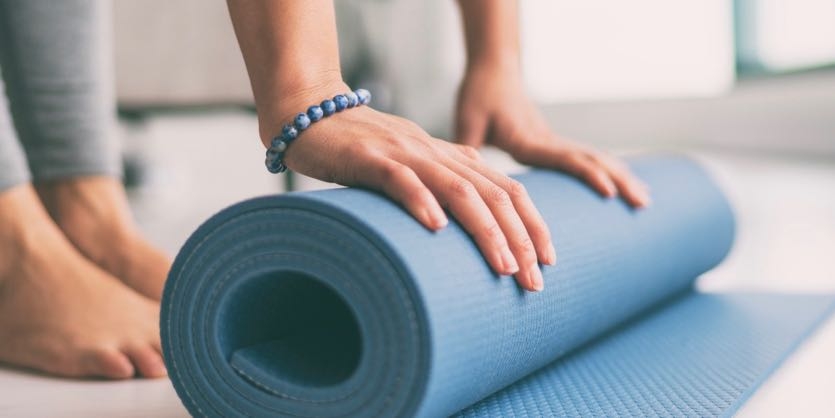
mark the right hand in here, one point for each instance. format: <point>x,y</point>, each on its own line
<point>366,148</point>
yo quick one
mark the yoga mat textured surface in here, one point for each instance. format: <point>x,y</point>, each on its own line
<point>338,303</point>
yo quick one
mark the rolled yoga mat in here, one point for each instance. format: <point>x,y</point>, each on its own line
<point>337,303</point>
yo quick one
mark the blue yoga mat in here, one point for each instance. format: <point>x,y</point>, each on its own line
<point>337,303</point>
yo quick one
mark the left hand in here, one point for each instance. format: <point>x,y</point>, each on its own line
<point>494,109</point>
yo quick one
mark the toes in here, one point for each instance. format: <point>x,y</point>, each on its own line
<point>109,364</point>
<point>156,344</point>
<point>148,361</point>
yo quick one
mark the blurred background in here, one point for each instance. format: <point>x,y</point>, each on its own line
<point>747,86</point>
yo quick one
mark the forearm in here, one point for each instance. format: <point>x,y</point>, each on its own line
<point>491,31</point>
<point>291,52</point>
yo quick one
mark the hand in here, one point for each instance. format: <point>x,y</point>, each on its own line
<point>493,108</point>
<point>367,148</point>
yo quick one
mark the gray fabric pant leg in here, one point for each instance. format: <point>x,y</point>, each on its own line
<point>13,169</point>
<point>55,60</point>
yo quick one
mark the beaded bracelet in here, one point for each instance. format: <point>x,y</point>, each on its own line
<point>315,113</point>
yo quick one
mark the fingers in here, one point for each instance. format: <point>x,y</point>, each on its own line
<point>604,174</point>
<point>471,128</point>
<point>400,183</point>
<point>585,169</point>
<point>516,232</point>
<point>413,169</point>
<point>633,191</point>
<point>524,208</point>
<point>466,151</point>
<point>469,208</point>
<point>483,208</point>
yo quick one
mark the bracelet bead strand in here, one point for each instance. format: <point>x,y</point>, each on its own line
<point>290,132</point>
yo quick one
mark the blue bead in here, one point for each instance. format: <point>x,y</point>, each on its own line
<point>341,102</point>
<point>363,95</point>
<point>301,121</point>
<point>289,132</point>
<point>272,167</point>
<point>328,107</point>
<point>272,154</point>
<point>315,113</point>
<point>279,143</point>
<point>353,100</point>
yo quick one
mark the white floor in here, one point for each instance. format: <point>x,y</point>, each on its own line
<point>201,163</point>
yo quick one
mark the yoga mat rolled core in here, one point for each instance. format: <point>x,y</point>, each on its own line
<point>338,303</point>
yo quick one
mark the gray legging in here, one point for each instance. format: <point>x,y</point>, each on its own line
<point>54,60</point>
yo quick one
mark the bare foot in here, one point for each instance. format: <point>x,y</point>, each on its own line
<point>93,213</point>
<point>60,313</point>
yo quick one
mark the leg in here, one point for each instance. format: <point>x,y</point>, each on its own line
<point>55,57</point>
<point>59,313</point>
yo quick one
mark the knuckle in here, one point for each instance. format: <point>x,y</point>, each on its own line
<point>588,171</point>
<point>592,156</point>
<point>392,139</point>
<point>493,231</point>
<point>577,162</point>
<point>525,245</point>
<point>515,189</point>
<point>498,196</point>
<point>434,152</point>
<point>462,189</point>
<point>363,149</point>
<point>469,151</point>
<point>577,158</point>
<point>393,171</point>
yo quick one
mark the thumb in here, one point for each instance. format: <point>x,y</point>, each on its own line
<point>471,128</point>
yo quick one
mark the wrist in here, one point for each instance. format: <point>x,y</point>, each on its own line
<point>503,63</point>
<point>296,96</point>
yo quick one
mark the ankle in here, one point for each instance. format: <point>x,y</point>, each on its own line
<point>92,211</point>
<point>98,197</point>
<point>24,228</point>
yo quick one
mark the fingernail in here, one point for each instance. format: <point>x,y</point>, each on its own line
<point>551,258</point>
<point>436,218</point>
<point>441,220</point>
<point>509,264</point>
<point>535,278</point>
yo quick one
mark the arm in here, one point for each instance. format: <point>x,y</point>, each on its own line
<point>491,32</point>
<point>493,107</point>
<point>291,54</point>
